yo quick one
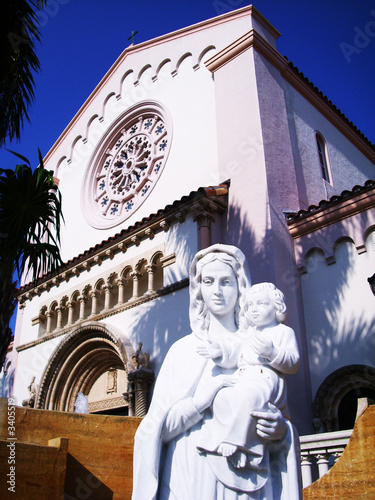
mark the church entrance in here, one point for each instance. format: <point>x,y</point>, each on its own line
<point>88,372</point>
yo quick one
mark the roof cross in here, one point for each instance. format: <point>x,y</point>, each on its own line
<point>133,33</point>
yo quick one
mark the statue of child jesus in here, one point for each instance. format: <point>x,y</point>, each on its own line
<point>262,356</point>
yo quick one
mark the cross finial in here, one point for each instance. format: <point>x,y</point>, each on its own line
<point>133,33</point>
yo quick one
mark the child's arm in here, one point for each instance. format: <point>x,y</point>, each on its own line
<point>282,353</point>
<point>224,354</point>
<point>287,358</point>
<point>211,350</point>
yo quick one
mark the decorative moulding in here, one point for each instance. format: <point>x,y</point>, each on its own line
<point>213,198</point>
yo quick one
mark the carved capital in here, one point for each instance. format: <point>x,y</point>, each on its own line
<point>203,214</point>
<point>150,268</point>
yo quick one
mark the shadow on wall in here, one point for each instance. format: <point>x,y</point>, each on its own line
<point>160,322</point>
<point>339,305</point>
<point>240,234</point>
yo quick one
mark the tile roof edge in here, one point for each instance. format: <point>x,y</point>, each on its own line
<point>218,191</point>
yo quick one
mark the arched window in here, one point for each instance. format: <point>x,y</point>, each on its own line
<point>323,157</point>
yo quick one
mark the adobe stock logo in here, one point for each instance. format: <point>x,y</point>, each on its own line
<point>361,39</point>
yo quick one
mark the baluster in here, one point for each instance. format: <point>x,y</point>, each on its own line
<point>323,463</point>
<point>306,469</point>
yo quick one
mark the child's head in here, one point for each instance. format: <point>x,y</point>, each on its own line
<point>265,303</point>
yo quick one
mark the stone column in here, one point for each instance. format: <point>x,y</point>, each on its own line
<point>121,285</point>
<point>150,268</point>
<point>135,275</point>
<point>94,302</point>
<point>82,301</point>
<point>59,311</point>
<point>107,298</point>
<point>49,315</point>
<point>203,214</point>
<point>70,305</point>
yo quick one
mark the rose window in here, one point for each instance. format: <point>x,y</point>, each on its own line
<point>125,170</point>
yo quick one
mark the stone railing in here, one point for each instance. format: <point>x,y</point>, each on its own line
<point>319,452</point>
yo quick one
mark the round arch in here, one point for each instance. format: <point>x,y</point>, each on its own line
<point>338,394</point>
<point>92,355</point>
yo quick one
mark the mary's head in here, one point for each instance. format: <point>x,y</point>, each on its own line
<point>233,262</point>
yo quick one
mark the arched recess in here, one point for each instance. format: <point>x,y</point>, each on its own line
<point>204,53</point>
<point>157,269</point>
<point>335,403</point>
<point>92,357</point>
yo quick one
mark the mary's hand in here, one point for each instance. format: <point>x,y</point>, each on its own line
<point>205,392</point>
<point>271,424</point>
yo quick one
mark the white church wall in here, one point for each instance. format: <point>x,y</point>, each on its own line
<point>339,309</point>
<point>31,363</point>
<point>157,324</point>
<point>347,164</point>
<point>192,159</point>
<point>182,240</point>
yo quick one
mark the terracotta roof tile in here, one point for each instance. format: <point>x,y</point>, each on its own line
<point>329,102</point>
<point>207,192</point>
<point>292,217</point>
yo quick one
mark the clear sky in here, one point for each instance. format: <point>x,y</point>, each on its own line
<point>331,41</point>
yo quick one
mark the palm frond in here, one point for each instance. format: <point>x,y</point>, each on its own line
<point>18,62</point>
<point>30,220</point>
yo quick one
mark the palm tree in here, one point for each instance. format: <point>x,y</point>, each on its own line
<point>30,219</point>
<point>18,61</point>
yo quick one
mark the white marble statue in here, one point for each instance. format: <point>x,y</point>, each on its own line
<point>169,461</point>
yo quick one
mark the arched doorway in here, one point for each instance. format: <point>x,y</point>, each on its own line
<point>336,401</point>
<point>92,360</point>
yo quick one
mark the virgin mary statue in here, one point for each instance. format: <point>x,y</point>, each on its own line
<point>167,461</point>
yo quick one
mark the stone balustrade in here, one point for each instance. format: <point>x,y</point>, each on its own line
<point>319,452</point>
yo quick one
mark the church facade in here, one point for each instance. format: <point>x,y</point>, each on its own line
<point>201,136</point>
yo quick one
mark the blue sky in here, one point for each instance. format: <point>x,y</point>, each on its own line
<point>331,41</point>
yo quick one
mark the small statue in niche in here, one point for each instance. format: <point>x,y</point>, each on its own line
<point>111,380</point>
<point>141,359</point>
<point>30,402</point>
<point>140,380</point>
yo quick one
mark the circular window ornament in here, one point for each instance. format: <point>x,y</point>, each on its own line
<point>126,165</point>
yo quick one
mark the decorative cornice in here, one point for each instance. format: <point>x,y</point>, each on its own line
<point>349,203</point>
<point>106,314</point>
<point>212,196</point>
<point>252,39</point>
<point>231,51</point>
